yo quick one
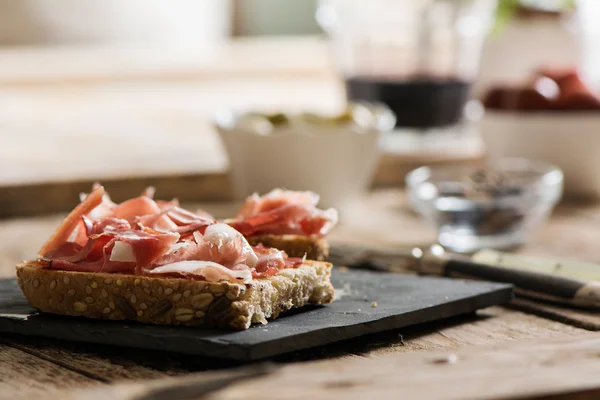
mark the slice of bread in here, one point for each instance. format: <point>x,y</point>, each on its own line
<point>295,245</point>
<point>174,301</point>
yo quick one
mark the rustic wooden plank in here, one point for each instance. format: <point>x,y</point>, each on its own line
<point>393,167</point>
<point>183,387</point>
<point>518,370</point>
<point>499,325</point>
<point>572,233</point>
<point>492,372</point>
<point>86,361</point>
<point>20,239</point>
<point>94,359</point>
<point>586,319</point>
<point>291,56</point>
<point>52,197</point>
<point>493,325</point>
<point>24,374</point>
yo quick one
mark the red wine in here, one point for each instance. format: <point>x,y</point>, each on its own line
<point>419,103</point>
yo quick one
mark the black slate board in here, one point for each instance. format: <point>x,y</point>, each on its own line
<point>402,300</point>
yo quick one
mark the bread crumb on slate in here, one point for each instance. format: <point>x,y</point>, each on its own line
<point>374,304</point>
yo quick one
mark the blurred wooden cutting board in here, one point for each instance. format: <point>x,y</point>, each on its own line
<point>131,122</point>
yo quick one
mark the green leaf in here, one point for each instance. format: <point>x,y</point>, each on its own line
<point>504,12</point>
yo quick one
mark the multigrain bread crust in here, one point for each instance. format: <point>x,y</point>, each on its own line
<point>174,301</point>
<point>295,245</point>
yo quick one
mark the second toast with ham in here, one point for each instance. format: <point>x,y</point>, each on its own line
<point>287,220</point>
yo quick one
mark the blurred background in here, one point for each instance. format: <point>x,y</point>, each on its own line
<point>125,91</point>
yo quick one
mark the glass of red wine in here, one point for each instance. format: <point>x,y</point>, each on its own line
<point>419,57</point>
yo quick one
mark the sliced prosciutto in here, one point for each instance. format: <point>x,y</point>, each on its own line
<point>220,243</point>
<point>72,221</point>
<point>164,216</point>
<point>282,212</point>
<point>125,252</point>
<point>142,236</point>
<point>209,270</point>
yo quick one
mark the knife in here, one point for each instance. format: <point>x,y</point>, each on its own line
<point>567,282</point>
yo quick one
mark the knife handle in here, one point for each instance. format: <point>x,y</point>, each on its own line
<point>542,286</point>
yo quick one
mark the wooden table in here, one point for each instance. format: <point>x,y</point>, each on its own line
<point>497,353</point>
<point>124,96</point>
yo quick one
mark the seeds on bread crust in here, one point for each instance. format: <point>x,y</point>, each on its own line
<point>162,307</point>
<point>126,308</point>
<point>201,301</point>
<point>184,314</point>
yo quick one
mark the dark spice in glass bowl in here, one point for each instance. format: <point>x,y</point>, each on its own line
<point>494,207</point>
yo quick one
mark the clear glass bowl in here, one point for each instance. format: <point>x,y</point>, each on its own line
<point>496,206</point>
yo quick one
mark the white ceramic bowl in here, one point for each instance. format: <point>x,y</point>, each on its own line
<point>569,140</point>
<point>337,161</point>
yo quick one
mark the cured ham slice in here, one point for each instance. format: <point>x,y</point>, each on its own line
<point>228,246</point>
<point>142,236</point>
<point>220,243</point>
<point>147,248</point>
<point>158,222</point>
<point>72,221</point>
<point>269,257</point>
<point>184,217</point>
<point>284,212</point>
<point>188,222</point>
<point>163,216</point>
<point>167,205</point>
<point>276,198</point>
<point>209,270</point>
<point>104,209</point>
<point>66,249</point>
<point>93,251</point>
<point>107,225</point>
<point>128,252</point>
<point>270,261</point>
<point>131,209</point>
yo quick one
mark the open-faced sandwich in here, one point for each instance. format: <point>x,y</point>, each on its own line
<point>155,262</point>
<point>288,221</point>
